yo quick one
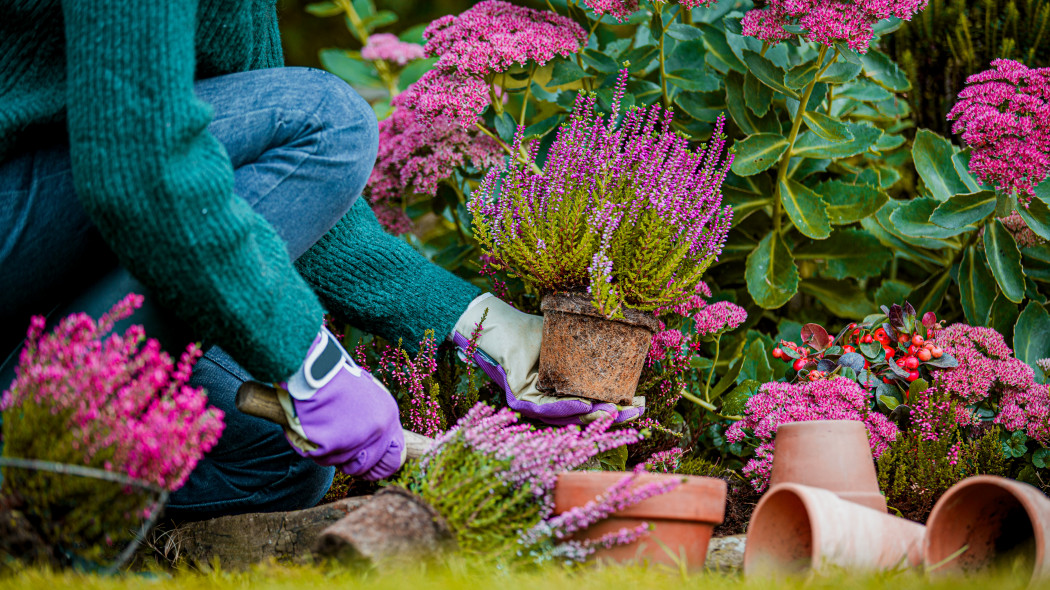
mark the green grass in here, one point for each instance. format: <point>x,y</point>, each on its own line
<point>459,576</point>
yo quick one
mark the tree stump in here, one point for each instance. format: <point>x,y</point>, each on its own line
<point>394,527</point>
<point>245,539</point>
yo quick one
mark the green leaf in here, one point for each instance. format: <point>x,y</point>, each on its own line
<point>912,218</point>
<point>348,67</point>
<point>863,91</point>
<point>806,209</point>
<point>771,274</point>
<point>746,120</point>
<point>683,32</point>
<point>927,296</point>
<point>758,152</point>
<point>757,95</point>
<point>811,145</point>
<point>734,402</point>
<point>691,79</point>
<point>1016,445</point>
<point>1032,335</point>
<point>842,298</point>
<point>963,210</point>
<point>881,69</point>
<point>715,42</point>
<point>827,127</point>
<point>543,127</point>
<point>1041,457</point>
<point>933,160</point>
<point>756,365</point>
<point>324,9</point>
<point>640,58</point>
<point>976,286</point>
<point>1037,216</point>
<point>768,73</point>
<point>700,105</point>
<point>506,126</point>
<point>1004,259</point>
<point>1002,316</point>
<point>565,72</point>
<point>849,203</point>
<point>379,20</point>
<point>801,75</point>
<point>891,292</point>
<point>848,253</point>
<point>840,72</point>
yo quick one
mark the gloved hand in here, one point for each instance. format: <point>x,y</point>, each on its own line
<point>508,350</point>
<point>339,414</point>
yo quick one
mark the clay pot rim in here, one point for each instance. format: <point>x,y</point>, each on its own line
<point>1000,483</point>
<point>799,423</point>
<point>580,304</point>
<point>592,483</point>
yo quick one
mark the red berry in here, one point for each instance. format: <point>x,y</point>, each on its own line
<point>925,355</point>
<point>848,349</point>
<point>890,353</point>
<point>912,376</point>
<point>798,364</point>
<point>777,353</point>
<point>917,340</point>
<point>902,338</point>
<point>887,380</point>
<point>857,331</point>
<point>813,376</point>
<point>913,349</point>
<point>881,336</point>
<point>937,352</point>
<point>867,339</point>
<point>911,363</point>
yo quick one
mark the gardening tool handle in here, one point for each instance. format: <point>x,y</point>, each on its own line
<point>260,400</point>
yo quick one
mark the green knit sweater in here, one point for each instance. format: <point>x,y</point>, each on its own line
<point>118,77</point>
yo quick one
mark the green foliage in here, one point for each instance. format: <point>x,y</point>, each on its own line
<point>485,512</point>
<point>914,473</point>
<point>953,39</point>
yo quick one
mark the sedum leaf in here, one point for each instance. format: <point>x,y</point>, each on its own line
<point>1004,259</point>
<point>771,273</point>
<point>806,209</point>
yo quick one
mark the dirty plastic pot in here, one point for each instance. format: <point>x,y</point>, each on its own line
<point>395,526</point>
<point>830,454</point>
<point>1002,523</point>
<point>585,354</point>
<point>797,528</point>
<point>681,520</point>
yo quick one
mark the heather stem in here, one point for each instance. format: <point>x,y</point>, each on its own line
<point>795,126</point>
<point>714,363</point>
<point>521,155</point>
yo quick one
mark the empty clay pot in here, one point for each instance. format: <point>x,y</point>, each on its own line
<point>829,454</point>
<point>1003,525</point>
<point>585,354</point>
<point>682,519</point>
<point>798,528</point>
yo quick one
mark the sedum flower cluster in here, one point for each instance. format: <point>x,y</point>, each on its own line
<point>493,480</point>
<point>624,210</point>
<point>1003,114</point>
<point>988,382</point>
<point>778,403</point>
<point>826,21</point>
<point>387,47</point>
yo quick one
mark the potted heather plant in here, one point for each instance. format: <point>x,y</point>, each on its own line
<point>623,219</point>
<point>98,427</point>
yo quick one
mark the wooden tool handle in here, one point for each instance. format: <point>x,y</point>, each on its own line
<point>260,400</point>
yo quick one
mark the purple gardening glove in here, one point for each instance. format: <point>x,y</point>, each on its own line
<point>338,414</point>
<point>509,353</point>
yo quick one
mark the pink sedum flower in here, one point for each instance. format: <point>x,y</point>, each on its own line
<point>718,317</point>
<point>387,47</point>
<point>778,403</point>
<point>827,21</point>
<point>1023,235</point>
<point>1004,116</point>
<point>493,36</point>
<point>445,94</point>
<point>620,10</point>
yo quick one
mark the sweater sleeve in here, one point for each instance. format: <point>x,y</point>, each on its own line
<point>159,187</point>
<point>380,284</point>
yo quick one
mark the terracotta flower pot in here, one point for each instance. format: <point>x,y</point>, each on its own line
<point>1002,523</point>
<point>829,454</point>
<point>798,528</point>
<point>682,520</point>
<point>587,355</point>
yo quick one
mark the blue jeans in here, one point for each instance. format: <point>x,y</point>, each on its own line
<point>302,144</point>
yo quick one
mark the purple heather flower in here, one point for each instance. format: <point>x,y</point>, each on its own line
<point>1004,116</point>
<point>389,48</point>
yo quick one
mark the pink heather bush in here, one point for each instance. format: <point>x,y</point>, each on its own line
<point>492,36</point>
<point>987,373</point>
<point>521,465</point>
<point>778,403</point>
<point>1004,116</point>
<point>387,47</point>
<point>826,21</point>
<point>415,156</point>
<point>121,401</point>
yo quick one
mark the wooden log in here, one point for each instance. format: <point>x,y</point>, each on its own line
<point>260,400</point>
<point>394,527</point>
<point>240,541</point>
